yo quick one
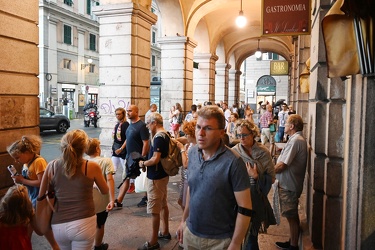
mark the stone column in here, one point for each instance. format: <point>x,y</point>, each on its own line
<point>237,83</point>
<point>176,73</point>
<point>19,82</point>
<point>326,135</point>
<point>232,86</point>
<point>204,78</point>
<point>221,82</point>
<point>124,53</point>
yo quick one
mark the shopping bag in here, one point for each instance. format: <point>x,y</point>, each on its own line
<point>141,183</point>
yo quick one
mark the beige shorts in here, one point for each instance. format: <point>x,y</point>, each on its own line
<point>267,136</point>
<point>288,203</point>
<point>190,241</point>
<point>157,195</point>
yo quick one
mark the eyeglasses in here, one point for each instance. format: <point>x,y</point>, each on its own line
<point>239,136</point>
<point>205,129</point>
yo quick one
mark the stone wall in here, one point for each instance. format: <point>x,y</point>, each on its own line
<point>19,86</point>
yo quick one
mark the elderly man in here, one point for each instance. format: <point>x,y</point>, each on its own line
<point>218,183</point>
<point>290,172</point>
<point>157,204</point>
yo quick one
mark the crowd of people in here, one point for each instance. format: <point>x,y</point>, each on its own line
<point>220,145</point>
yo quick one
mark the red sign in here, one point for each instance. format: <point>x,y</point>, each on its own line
<point>286,17</point>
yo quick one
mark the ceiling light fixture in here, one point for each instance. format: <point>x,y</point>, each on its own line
<point>241,19</point>
<point>258,53</point>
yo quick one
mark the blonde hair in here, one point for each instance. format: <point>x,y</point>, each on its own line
<point>254,130</point>
<point>73,145</point>
<point>16,207</point>
<point>93,144</point>
<point>28,143</point>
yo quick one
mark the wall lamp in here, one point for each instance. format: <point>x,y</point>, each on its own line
<point>83,66</point>
<point>241,19</point>
<point>258,53</point>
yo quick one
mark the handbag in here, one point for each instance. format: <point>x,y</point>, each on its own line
<point>45,204</point>
<point>277,137</point>
<point>272,127</point>
<point>115,146</point>
<point>141,183</point>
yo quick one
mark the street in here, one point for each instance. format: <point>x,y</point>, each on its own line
<point>51,139</point>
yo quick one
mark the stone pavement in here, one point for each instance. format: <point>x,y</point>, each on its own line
<point>129,227</point>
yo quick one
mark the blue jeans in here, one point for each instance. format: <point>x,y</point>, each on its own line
<point>281,133</point>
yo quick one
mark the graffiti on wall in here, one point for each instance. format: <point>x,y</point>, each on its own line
<point>110,106</point>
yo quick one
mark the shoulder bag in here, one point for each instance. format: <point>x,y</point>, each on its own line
<point>45,204</point>
<point>272,128</point>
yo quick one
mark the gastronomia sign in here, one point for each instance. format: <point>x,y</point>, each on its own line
<point>286,17</point>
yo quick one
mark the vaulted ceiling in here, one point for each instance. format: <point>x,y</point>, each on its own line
<point>211,23</point>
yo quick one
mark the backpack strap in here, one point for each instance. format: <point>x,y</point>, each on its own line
<point>159,134</point>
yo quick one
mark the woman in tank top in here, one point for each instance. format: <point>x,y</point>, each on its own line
<point>72,177</point>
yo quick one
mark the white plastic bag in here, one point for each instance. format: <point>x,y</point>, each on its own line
<point>141,183</point>
<point>276,202</point>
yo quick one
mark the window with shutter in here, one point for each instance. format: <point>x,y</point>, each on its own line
<point>68,2</point>
<point>92,42</point>
<point>67,34</point>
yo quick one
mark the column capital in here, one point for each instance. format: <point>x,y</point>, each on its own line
<point>222,66</point>
<point>238,72</point>
<point>205,56</point>
<point>124,9</point>
<point>176,40</point>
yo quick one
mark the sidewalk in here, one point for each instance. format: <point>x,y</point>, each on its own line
<point>129,227</point>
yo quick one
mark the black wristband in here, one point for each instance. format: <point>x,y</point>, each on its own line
<point>41,198</point>
<point>245,211</point>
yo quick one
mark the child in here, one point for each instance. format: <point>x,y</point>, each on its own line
<point>16,219</point>
<point>103,203</point>
<point>26,151</point>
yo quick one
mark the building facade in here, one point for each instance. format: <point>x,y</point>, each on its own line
<point>68,54</point>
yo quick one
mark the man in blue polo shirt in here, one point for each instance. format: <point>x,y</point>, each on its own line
<point>218,206</point>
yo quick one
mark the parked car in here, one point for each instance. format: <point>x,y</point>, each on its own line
<point>48,120</point>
